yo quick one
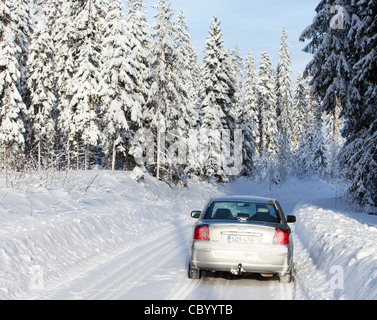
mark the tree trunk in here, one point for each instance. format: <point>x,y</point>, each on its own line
<point>39,156</point>
<point>158,153</point>
<point>86,158</point>
<point>77,157</point>
<point>113,157</point>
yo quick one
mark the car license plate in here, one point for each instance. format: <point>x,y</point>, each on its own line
<point>241,239</point>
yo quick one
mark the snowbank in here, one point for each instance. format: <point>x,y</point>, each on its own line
<point>53,223</point>
<point>343,251</point>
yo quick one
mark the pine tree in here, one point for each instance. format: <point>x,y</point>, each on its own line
<point>84,125</point>
<point>245,124</point>
<point>121,109</point>
<point>332,64</point>
<point>139,39</point>
<point>167,95</point>
<point>23,33</point>
<point>250,98</point>
<point>343,70</point>
<point>189,70</point>
<point>139,45</point>
<point>359,152</point>
<point>50,13</point>
<point>218,100</point>
<point>43,98</point>
<point>334,141</point>
<point>64,35</point>
<point>284,85</point>
<point>311,157</point>
<point>12,108</point>
<point>299,119</point>
<point>237,66</point>
<point>139,53</point>
<point>267,102</point>
<point>248,117</point>
<point>188,60</point>
<point>284,104</point>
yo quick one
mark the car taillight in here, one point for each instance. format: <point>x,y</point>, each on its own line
<point>281,236</point>
<point>201,232</point>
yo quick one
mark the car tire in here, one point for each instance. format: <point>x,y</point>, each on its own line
<point>286,278</point>
<point>194,273</point>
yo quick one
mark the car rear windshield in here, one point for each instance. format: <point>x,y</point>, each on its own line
<point>243,211</point>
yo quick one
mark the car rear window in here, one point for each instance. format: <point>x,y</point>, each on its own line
<point>247,211</point>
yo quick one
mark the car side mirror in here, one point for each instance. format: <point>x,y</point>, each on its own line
<point>291,219</point>
<point>195,214</point>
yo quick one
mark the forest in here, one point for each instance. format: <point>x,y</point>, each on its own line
<point>88,84</point>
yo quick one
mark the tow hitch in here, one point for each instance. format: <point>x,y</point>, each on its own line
<point>238,271</point>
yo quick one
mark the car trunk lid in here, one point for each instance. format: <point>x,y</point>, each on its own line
<point>241,234</point>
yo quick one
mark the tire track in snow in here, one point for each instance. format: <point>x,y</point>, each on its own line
<point>113,277</point>
<point>186,286</point>
<point>147,265</point>
<point>135,265</point>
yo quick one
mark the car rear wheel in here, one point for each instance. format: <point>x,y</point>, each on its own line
<point>194,273</point>
<point>286,278</point>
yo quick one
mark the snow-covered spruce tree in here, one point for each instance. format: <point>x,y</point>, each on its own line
<point>55,16</point>
<point>189,65</point>
<point>217,103</point>
<point>65,65</point>
<point>121,108</point>
<point>248,113</point>
<point>167,96</point>
<point>187,60</point>
<point>250,98</point>
<point>284,104</point>
<point>237,66</point>
<point>359,154</point>
<point>284,85</point>
<point>311,158</point>
<point>268,120</point>
<point>83,127</point>
<point>139,53</point>
<point>23,32</point>
<point>137,28</point>
<point>300,118</point>
<point>308,133</point>
<point>267,101</point>
<point>334,141</point>
<point>43,98</point>
<point>248,150</point>
<point>344,66</point>
<point>12,108</point>
<point>333,55</point>
<point>331,69</point>
<point>52,14</point>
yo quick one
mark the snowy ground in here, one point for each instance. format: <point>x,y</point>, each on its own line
<point>102,235</point>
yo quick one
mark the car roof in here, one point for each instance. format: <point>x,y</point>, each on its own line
<point>245,199</point>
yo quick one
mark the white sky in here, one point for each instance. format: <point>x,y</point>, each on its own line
<point>250,24</point>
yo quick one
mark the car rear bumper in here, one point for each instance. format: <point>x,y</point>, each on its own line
<point>259,259</point>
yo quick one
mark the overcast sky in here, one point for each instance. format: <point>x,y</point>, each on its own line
<point>250,24</point>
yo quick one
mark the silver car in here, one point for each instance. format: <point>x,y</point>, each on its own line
<point>242,234</point>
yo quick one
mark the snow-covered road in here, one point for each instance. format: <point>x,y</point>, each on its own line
<point>104,236</point>
<point>156,269</point>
